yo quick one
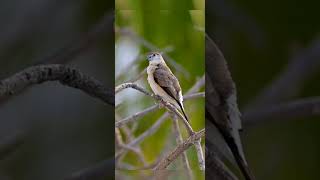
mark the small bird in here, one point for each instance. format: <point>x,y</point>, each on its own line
<point>163,82</point>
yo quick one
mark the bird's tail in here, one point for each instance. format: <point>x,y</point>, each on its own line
<point>183,112</point>
<point>239,158</point>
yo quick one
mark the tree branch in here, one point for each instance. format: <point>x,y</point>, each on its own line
<point>164,163</point>
<point>103,170</point>
<point>149,109</point>
<point>216,169</point>
<point>171,109</point>
<point>288,83</point>
<point>179,140</point>
<point>65,75</point>
<point>284,111</point>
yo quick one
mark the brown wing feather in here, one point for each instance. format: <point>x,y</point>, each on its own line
<point>168,82</point>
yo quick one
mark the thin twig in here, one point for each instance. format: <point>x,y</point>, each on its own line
<point>179,140</point>
<point>131,85</point>
<point>150,109</point>
<point>164,163</point>
<point>201,161</point>
<point>147,133</point>
<point>65,75</point>
<point>155,126</point>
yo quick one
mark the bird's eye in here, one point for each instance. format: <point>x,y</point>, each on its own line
<point>153,55</point>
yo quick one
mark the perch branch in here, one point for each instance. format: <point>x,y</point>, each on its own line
<point>142,113</point>
<point>131,85</point>
<point>65,75</point>
<point>151,130</point>
<point>164,163</point>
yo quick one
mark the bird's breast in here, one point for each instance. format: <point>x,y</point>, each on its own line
<point>157,89</point>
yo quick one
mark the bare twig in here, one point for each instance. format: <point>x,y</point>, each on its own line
<point>164,163</point>
<point>289,82</point>
<point>136,116</point>
<point>120,144</point>
<point>131,85</point>
<point>201,161</point>
<point>155,126</point>
<point>179,140</point>
<point>65,75</point>
<point>149,132</point>
<point>284,111</point>
<point>152,109</point>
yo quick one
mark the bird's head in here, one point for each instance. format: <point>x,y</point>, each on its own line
<point>154,57</point>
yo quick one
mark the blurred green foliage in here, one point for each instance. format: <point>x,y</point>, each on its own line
<point>178,33</point>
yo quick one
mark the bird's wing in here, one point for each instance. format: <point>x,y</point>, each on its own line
<point>168,82</point>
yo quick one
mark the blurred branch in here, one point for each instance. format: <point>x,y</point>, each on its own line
<point>78,46</point>
<point>101,171</point>
<point>164,163</point>
<point>284,111</point>
<point>215,168</point>
<point>152,47</point>
<point>120,144</point>
<point>301,67</point>
<point>11,144</point>
<point>179,140</point>
<point>65,75</point>
<point>147,133</point>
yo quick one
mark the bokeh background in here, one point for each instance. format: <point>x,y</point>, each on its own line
<point>141,28</point>
<point>261,40</point>
<point>54,130</point>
